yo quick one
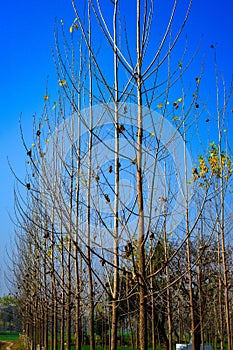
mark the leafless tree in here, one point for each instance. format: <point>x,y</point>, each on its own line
<point>110,208</point>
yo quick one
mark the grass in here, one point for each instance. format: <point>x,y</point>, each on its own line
<point>8,335</point>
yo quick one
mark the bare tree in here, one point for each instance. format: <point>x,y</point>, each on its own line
<point>109,207</point>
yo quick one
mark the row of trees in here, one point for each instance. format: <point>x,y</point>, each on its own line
<point>119,237</point>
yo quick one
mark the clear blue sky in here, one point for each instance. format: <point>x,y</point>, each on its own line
<point>26,38</point>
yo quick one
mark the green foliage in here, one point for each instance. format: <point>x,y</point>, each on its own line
<point>7,300</point>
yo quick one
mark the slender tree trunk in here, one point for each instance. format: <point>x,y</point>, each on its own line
<point>128,312</point>
<point>62,321</point>
<point>140,200</point>
<point>77,263</point>
<point>191,302</point>
<point>153,321</point>
<point>115,301</point>
<point>188,251</point>
<point>220,289</point>
<point>55,328</point>
<point>169,314</point>
<point>45,317</point>
<point>225,279</point>
<point>167,271</point>
<point>141,237</point>
<point>200,298</point>
<point>77,303</point>
<point>224,260</point>
<point>53,335</point>
<point>88,200</point>
<point>45,326</point>
<point>222,182</point>
<point>68,296</point>
<point>62,315</point>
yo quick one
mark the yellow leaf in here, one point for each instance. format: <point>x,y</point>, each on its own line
<point>175,118</point>
<point>152,134</point>
<point>170,234</point>
<point>179,99</point>
<point>62,82</point>
<point>47,140</point>
<point>46,97</point>
<point>33,145</point>
<point>198,80</point>
<point>160,105</point>
<point>71,29</point>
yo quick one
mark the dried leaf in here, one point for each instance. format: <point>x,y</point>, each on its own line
<point>62,82</point>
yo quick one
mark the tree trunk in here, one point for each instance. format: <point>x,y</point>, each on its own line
<point>140,200</point>
<point>88,200</point>
<point>220,306</point>
<point>68,297</point>
<point>115,302</point>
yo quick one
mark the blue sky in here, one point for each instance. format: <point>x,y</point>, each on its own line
<point>26,38</point>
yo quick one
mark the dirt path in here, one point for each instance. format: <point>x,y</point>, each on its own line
<point>6,345</point>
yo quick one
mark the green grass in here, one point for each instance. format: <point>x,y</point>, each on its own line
<point>87,347</point>
<point>8,336</point>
